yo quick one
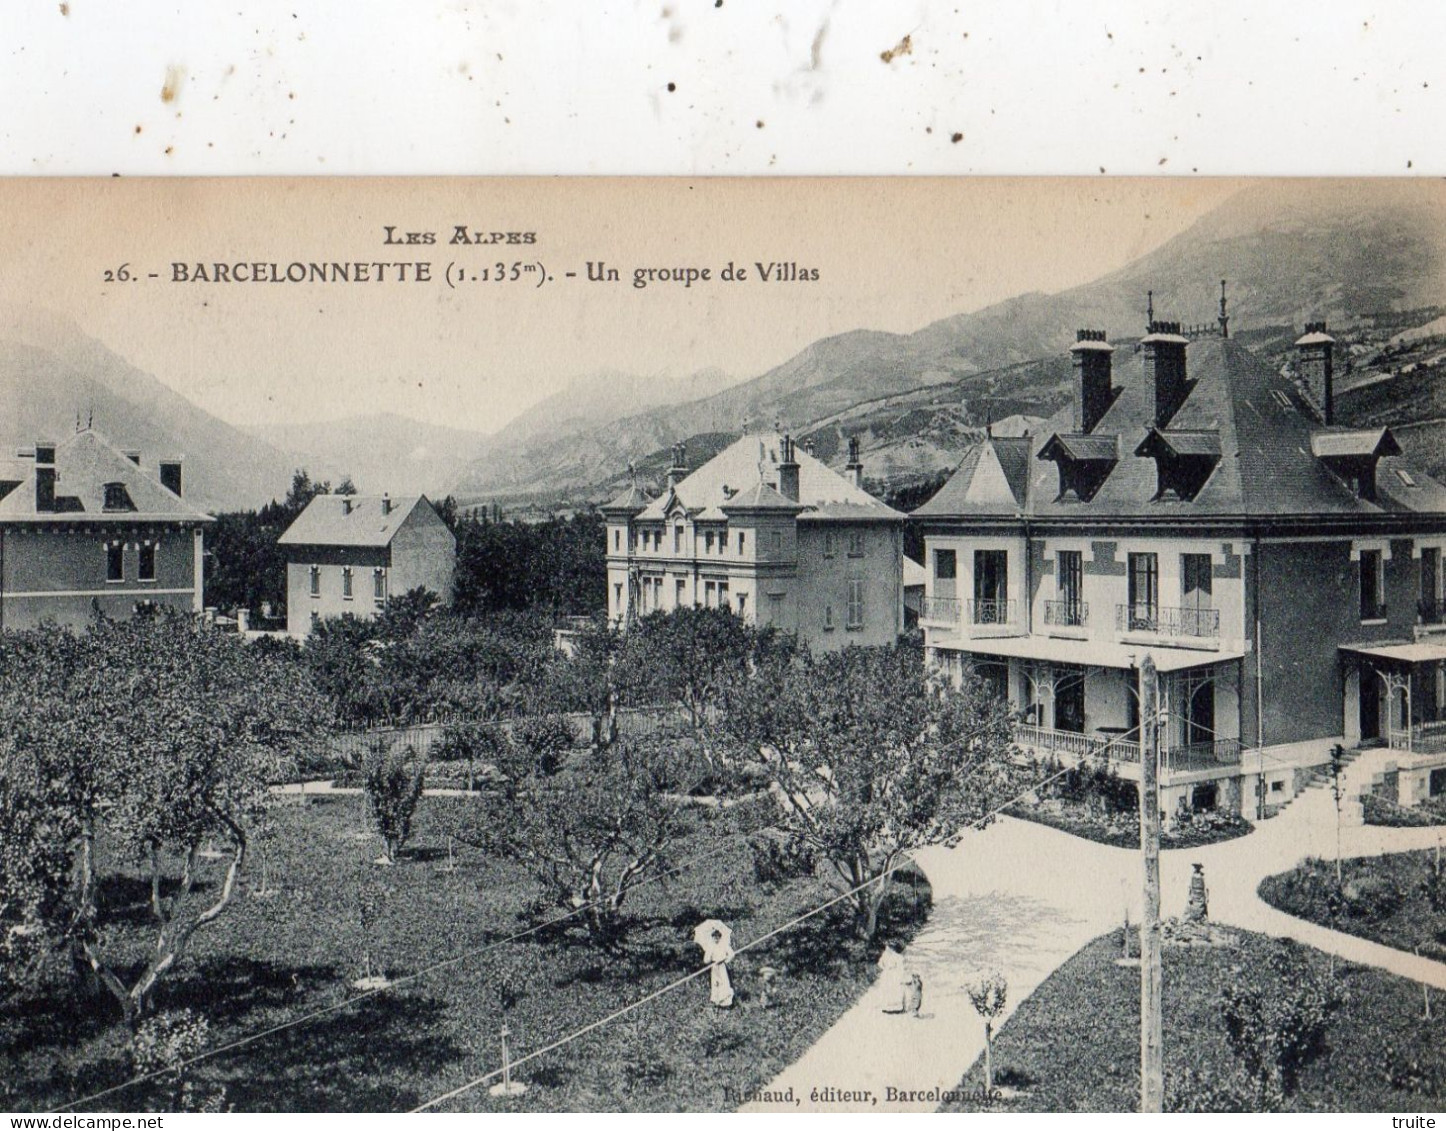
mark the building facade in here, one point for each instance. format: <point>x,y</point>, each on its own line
<point>85,528</point>
<point>348,555</point>
<point>768,531</point>
<point>1283,572</point>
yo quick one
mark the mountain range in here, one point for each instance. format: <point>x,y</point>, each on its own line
<point>1370,257</point>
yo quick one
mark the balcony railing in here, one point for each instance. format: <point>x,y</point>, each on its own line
<point>1421,738</point>
<point>990,610</point>
<point>1162,621</point>
<point>941,610</point>
<point>1201,755</point>
<point>1173,759</point>
<point>1067,614</point>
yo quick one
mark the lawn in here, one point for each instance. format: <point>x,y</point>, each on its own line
<point>272,958</point>
<point>1398,900</point>
<point>1074,1044</point>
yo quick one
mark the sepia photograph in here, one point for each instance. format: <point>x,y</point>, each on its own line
<point>971,645</point>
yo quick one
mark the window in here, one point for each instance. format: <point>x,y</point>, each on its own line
<point>617,539</point>
<point>722,594</point>
<point>740,541</point>
<point>708,542</point>
<point>856,604</point>
<point>115,561</point>
<point>677,539</point>
<point>618,596</point>
<point>1069,588</point>
<point>379,585</point>
<point>710,594</point>
<point>146,570</point>
<point>828,545</point>
<point>828,618</point>
<point>1430,602</point>
<point>316,581</point>
<point>1406,477</point>
<point>742,603</point>
<point>856,543</point>
<point>1373,586</point>
<point>722,541</point>
<point>1144,592</point>
<point>1196,614</point>
<point>946,564</point>
<point>679,587</point>
<point>777,542</point>
<point>991,587</point>
<point>346,582</point>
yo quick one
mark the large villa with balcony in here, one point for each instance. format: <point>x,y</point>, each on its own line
<point>1284,573</point>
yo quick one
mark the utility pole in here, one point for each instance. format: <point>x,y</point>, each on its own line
<point>1152,1073</point>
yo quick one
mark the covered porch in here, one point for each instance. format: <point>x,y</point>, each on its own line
<point>1081,700</point>
<point>1395,696</point>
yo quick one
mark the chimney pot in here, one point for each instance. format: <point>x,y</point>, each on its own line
<point>855,465</point>
<point>386,504</point>
<point>346,504</point>
<point>44,477</point>
<point>1092,378</point>
<point>788,485</point>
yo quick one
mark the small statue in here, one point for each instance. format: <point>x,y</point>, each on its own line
<point>913,994</point>
<point>716,939</point>
<point>1197,906</point>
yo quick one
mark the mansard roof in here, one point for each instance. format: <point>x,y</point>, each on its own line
<point>744,475</point>
<point>85,464</point>
<point>1270,447</point>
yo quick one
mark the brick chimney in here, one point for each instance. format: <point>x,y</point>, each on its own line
<point>170,473</point>
<point>346,504</point>
<point>1315,366</point>
<point>855,465</point>
<point>679,471</point>
<point>1164,355</point>
<point>44,477</point>
<point>1092,391</point>
<point>787,470</point>
<point>386,504</point>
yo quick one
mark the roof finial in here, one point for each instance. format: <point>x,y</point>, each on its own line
<point>77,420</point>
<point>1224,316</point>
<point>90,419</point>
<point>1150,312</point>
<point>632,473</point>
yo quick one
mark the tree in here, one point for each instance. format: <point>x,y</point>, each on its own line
<point>161,733</point>
<point>392,778</point>
<point>872,757</point>
<point>988,996</point>
<point>692,657</point>
<point>589,834</point>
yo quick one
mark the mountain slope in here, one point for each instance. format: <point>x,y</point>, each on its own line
<point>51,374</point>
<point>1290,250</point>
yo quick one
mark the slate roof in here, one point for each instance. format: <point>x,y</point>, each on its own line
<point>1268,438</point>
<point>325,521</point>
<point>630,501</point>
<point>748,469</point>
<point>85,463</point>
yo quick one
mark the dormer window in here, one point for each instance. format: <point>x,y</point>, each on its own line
<point>1183,459</point>
<point>117,498</point>
<point>1353,456</point>
<point>1084,463</point>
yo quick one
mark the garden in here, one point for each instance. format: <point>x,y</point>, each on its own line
<point>1397,900</point>
<point>1092,801</point>
<point>1262,1025</point>
<point>178,932</point>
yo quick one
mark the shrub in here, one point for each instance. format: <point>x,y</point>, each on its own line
<point>392,779</point>
<point>1275,1034</point>
<point>1372,897</point>
<point>545,739</point>
<point>778,857</point>
<point>1192,1091</point>
<point>472,742</point>
<point>164,1043</point>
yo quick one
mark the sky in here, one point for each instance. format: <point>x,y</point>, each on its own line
<point>888,254</point>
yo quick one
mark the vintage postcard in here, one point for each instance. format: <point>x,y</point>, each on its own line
<point>840,645</point>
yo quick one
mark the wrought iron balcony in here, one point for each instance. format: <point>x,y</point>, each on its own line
<point>1067,614</point>
<point>1163,621</point>
<point>990,610</point>
<point>941,611</point>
